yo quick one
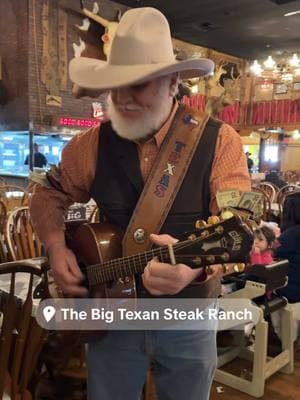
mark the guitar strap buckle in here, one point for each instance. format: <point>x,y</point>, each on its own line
<point>140,235</point>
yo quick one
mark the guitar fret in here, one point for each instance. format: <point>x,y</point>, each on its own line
<point>161,255</point>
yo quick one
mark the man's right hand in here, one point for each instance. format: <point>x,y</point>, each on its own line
<point>66,271</point>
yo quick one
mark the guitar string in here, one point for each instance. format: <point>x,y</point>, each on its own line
<point>165,249</point>
<point>109,267</point>
<point>108,278</point>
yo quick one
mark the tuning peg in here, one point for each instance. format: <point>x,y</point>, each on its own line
<point>240,267</point>
<point>226,215</point>
<point>225,257</point>
<point>213,219</point>
<point>211,259</point>
<point>219,229</point>
<point>200,223</point>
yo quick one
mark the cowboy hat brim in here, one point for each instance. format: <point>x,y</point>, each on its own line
<point>91,73</point>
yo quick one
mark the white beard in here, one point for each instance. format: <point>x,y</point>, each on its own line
<point>149,122</point>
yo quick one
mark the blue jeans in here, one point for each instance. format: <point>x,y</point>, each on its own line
<point>184,364</point>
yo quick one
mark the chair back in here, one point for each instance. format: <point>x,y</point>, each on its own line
<point>21,338</point>
<point>13,196</point>
<point>270,189</point>
<point>4,255</point>
<point>21,239</point>
<point>285,191</point>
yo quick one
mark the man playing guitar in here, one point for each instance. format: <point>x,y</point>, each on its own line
<point>111,164</point>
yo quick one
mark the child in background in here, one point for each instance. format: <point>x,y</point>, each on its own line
<point>262,253</point>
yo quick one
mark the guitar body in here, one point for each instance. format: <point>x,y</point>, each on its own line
<point>95,244</point>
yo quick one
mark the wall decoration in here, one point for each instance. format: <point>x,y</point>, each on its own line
<point>52,100</point>
<point>62,49</point>
<point>296,86</point>
<point>54,51</point>
<point>280,88</point>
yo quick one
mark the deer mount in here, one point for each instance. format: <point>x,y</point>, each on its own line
<point>222,88</point>
<point>95,37</point>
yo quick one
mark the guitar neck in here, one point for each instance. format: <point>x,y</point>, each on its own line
<point>227,242</point>
<point>125,266</point>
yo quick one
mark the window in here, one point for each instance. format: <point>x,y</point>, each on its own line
<point>271,153</point>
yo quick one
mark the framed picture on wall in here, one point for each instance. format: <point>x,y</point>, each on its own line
<point>280,88</point>
<point>296,86</point>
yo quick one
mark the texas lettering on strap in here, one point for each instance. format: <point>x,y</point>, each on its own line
<point>165,179</point>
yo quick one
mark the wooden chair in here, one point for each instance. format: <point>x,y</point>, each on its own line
<point>270,189</point>
<point>4,254</point>
<point>292,176</point>
<point>21,338</point>
<point>22,241</point>
<point>266,203</point>
<point>13,196</point>
<point>285,191</point>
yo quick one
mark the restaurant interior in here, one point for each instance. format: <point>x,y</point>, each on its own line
<point>255,88</point>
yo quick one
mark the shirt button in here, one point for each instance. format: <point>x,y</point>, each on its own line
<point>146,159</point>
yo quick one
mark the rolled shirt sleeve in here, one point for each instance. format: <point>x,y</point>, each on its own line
<point>229,169</point>
<point>75,176</point>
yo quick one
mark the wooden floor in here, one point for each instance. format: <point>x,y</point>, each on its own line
<point>278,387</point>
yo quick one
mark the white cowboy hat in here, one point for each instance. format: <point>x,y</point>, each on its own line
<point>141,50</point>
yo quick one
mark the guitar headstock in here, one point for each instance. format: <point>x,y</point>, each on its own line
<point>228,241</point>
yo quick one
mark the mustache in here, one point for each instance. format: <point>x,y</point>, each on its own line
<point>128,107</point>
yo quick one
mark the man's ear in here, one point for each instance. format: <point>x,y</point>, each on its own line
<point>174,82</point>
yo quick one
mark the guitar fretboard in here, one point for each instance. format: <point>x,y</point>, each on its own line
<point>126,266</point>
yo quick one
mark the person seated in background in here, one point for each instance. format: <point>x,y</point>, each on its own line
<point>289,246</point>
<point>262,250</point>
<point>39,160</point>
<point>273,177</point>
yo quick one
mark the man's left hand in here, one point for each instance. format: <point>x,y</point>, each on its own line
<point>163,278</point>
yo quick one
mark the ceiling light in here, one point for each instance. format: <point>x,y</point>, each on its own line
<point>256,68</point>
<point>269,63</point>
<point>294,61</point>
<point>289,14</point>
<point>286,69</point>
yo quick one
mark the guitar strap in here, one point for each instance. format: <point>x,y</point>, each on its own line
<point>165,179</point>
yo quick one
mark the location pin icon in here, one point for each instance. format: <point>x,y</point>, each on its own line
<point>49,313</point>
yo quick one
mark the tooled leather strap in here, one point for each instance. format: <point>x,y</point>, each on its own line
<point>165,179</point>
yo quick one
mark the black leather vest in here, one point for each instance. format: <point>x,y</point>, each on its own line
<point>118,183</point>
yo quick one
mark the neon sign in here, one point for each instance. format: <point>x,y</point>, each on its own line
<point>78,122</point>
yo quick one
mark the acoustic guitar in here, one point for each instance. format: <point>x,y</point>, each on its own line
<point>98,248</point>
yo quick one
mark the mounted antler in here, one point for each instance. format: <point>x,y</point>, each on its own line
<point>214,80</point>
<point>216,104</point>
<point>95,17</point>
<point>231,89</point>
<point>110,27</point>
<point>93,31</point>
